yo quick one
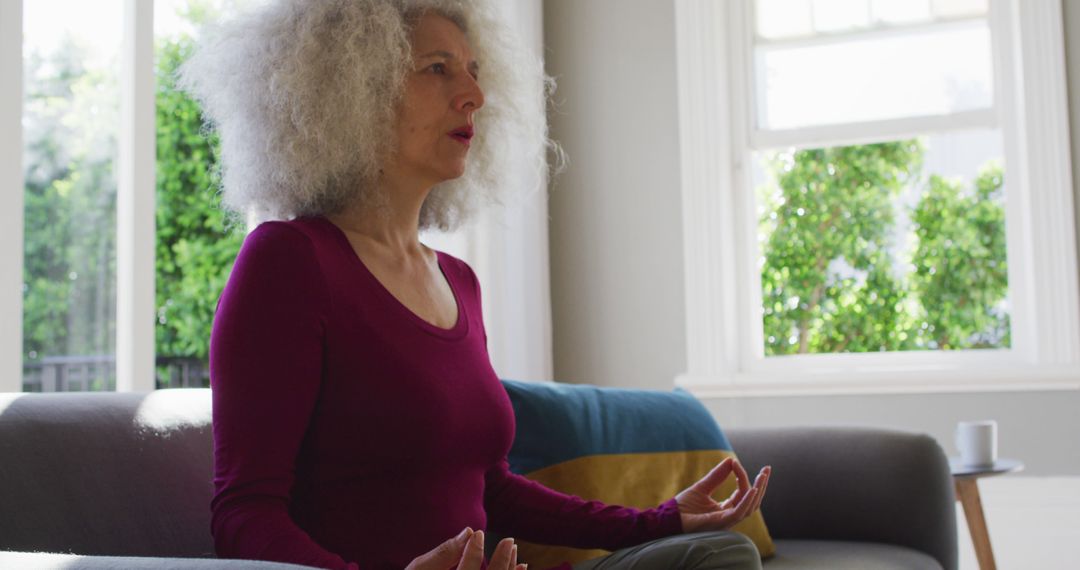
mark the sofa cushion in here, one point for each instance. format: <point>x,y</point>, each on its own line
<point>635,448</point>
<point>844,555</point>
<point>123,474</point>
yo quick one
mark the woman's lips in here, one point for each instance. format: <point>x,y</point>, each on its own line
<point>462,134</point>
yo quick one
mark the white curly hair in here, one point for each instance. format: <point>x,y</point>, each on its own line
<point>303,94</point>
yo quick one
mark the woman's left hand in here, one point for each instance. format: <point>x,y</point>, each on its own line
<point>699,512</point>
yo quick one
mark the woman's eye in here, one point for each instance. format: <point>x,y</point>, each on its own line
<point>439,68</point>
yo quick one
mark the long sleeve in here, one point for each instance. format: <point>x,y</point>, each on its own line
<point>528,510</point>
<point>266,367</point>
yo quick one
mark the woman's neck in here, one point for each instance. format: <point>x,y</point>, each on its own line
<point>394,231</point>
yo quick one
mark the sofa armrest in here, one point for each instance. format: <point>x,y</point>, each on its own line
<point>51,561</point>
<point>856,484</point>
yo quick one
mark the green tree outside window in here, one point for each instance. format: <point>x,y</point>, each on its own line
<point>196,243</point>
<point>70,212</point>
<point>835,206</point>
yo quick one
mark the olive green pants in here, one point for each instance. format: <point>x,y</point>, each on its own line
<point>697,551</point>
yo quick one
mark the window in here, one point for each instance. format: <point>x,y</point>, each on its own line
<point>195,246</point>
<point>71,108</point>
<point>78,142</point>
<point>891,245</point>
<point>868,214</point>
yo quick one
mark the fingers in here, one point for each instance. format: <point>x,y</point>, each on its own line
<point>741,476</point>
<point>747,505</point>
<point>729,517</point>
<point>505,556</point>
<point>474,553</point>
<point>750,501</point>
<point>740,505</point>
<point>445,555</point>
<point>714,477</point>
<point>742,481</point>
<point>762,483</point>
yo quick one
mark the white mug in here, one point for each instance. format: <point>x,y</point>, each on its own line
<point>977,443</point>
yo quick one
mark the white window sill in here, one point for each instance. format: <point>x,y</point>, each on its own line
<point>924,380</point>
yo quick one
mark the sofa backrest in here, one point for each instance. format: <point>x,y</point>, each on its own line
<point>107,473</point>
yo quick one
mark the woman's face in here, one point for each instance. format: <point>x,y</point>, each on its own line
<point>441,94</point>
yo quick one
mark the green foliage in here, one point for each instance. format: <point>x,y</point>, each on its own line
<point>196,244</point>
<point>961,275</point>
<point>70,261</point>
<point>829,278</point>
<point>69,264</point>
<point>834,204</point>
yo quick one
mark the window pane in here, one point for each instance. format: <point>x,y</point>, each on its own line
<point>71,110</point>
<point>840,15</point>
<point>958,8</point>
<point>918,73</point>
<point>784,18</point>
<point>893,246</point>
<point>196,245</point>
<point>901,11</point>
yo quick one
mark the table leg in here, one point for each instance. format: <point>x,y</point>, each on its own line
<point>967,492</point>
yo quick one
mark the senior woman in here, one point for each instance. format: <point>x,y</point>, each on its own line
<point>357,420</point>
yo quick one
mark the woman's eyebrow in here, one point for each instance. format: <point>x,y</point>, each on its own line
<point>473,65</point>
<point>439,53</point>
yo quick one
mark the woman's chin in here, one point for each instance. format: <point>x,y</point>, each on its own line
<point>446,172</point>
<point>454,173</point>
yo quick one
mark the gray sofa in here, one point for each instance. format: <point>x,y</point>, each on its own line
<point>122,480</point>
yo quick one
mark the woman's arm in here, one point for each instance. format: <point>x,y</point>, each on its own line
<point>265,370</point>
<point>530,511</point>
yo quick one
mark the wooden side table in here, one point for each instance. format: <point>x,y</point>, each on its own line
<point>966,479</point>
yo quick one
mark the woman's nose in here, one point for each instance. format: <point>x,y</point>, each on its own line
<point>471,96</point>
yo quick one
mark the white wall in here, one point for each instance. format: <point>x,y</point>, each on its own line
<point>615,233</point>
<point>616,243</point>
<point>507,246</point>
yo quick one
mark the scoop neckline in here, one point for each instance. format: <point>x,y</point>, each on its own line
<point>460,327</point>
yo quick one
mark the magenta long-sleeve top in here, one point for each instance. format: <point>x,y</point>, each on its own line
<point>351,433</point>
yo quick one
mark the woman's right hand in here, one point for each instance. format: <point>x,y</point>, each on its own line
<point>466,552</point>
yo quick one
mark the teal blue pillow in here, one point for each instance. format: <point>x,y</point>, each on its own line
<point>558,422</point>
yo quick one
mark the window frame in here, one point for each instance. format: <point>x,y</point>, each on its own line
<point>12,192</point>
<point>135,174</point>
<point>855,132</point>
<point>722,281</point>
<point>136,203</point>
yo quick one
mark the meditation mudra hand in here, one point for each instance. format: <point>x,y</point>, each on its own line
<point>699,512</point>
<point>466,552</point>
